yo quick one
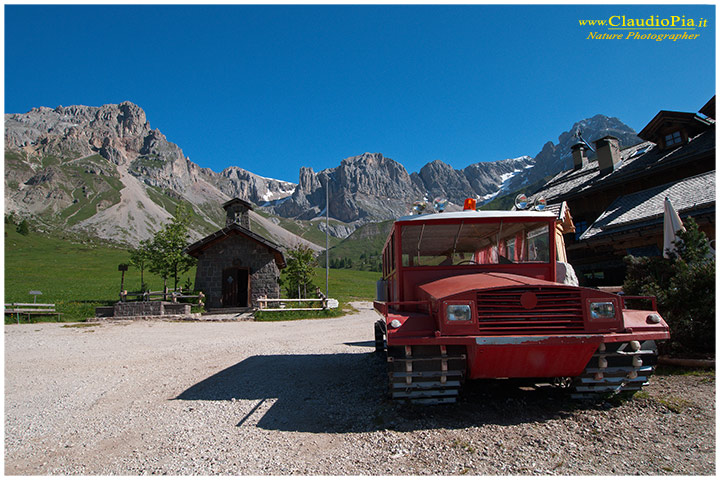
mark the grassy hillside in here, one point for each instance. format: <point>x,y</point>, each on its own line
<point>363,247</point>
<point>170,200</point>
<point>80,187</point>
<point>307,229</point>
<point>76,277</point>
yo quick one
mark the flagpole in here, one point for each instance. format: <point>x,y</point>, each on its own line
<point>327,235</point>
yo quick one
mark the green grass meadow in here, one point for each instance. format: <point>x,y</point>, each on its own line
<point>348,285</point>
<point>343,285</point>
<point>77,277</point>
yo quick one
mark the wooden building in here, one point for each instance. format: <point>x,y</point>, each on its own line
<point>235,265</point>
<point>617,198</point>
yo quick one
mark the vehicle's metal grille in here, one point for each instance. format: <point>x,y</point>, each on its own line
<point>558,310</point>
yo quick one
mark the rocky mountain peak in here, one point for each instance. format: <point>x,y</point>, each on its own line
<point>365,158</point>
<point>72,159</point>
<point>308,181</point>
<point>106,171</point>
<point>113,131</point>
<point>441,180</point>
<point>132,119</point>
<point>554,158</point>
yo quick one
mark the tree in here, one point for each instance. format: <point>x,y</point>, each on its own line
<point>301,263</point>
<point>140,259</point>
<point>684,286</point>
<point>23,228</point>
<point>166,250</point>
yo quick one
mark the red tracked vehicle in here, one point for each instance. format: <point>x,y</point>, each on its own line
<point>479,295</point>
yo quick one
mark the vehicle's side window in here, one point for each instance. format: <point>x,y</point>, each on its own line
<point>539,245</point>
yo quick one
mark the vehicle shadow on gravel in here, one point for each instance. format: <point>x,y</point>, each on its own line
<point>311,393</point>
<point>346,392</point>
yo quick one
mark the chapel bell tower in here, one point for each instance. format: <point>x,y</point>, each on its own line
<point>237,211</point>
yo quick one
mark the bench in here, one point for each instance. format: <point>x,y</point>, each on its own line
<point>31,309</point>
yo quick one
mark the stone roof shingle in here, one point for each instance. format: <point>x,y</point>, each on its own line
<point>691,195</point>
<point>236,229</point>
<point>636,161</point>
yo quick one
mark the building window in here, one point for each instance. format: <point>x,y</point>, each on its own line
<point>595,275</point>
<point>645,251</point>
<point>673,139</point>
<point>580,227</point>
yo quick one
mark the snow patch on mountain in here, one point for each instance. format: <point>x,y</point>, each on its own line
<point>505,179</point>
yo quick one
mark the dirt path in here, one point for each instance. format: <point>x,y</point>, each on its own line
<point>308,397</point>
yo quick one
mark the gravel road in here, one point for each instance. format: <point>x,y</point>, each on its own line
<point>307,397</point>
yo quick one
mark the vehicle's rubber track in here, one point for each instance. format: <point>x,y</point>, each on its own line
<point>615,368</point>
<point>380,336</point>
<point>426,374</point>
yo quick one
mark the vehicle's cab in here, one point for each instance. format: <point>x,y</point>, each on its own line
<point>422,249</point>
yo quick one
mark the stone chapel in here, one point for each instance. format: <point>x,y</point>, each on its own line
<point>235,265</point>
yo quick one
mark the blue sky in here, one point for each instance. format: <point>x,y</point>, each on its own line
<point>274,88</point>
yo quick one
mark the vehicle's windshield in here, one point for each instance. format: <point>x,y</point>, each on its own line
<point>475,243</point>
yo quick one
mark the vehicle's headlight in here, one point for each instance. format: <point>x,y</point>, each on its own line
<point>602,310</point>
<point>460,313</point>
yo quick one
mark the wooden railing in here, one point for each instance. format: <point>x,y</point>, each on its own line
<point>324,304</point>
<point>172,295</point>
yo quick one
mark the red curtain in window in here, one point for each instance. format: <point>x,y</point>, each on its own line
<point>519,246</point>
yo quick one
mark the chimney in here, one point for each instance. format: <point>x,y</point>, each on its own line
<point>579,154</point>
<point>608,154</point>
<point>237,211</point>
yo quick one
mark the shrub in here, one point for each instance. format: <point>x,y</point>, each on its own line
<point>684,285</point>
<point>23,228</point>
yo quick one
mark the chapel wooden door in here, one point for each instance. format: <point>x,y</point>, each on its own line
<point>236,287</point>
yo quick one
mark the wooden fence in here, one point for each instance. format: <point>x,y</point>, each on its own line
<point>323,304</point>
<point>173,295</point>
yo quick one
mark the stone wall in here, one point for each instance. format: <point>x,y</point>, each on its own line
<point>237,251</point>
<point>176,308</point>
<point>137,309</point>
<point>102,312</point>
<point>131,309</point>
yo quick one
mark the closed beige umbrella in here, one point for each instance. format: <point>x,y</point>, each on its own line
<point>671,225</point>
